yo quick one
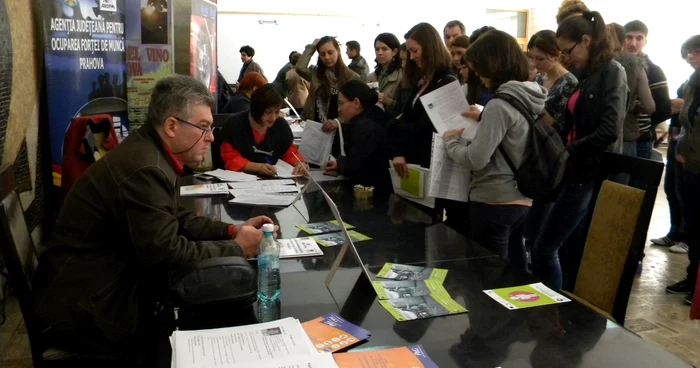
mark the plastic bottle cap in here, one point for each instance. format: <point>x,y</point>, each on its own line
<point>268,228</point>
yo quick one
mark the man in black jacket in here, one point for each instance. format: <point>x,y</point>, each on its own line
<point>121,228</point>
<point>635,40</point>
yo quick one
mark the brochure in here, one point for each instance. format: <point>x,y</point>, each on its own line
<point>407,289</point>
<point>435,305</point>
<point>526,296</point>
<point>332,333</point>
<point>323,227</point>
<point>401,272</point>
<point>407,356</point>
<point>335,239</point>
<point>298,247</point>
<point>204,190</point>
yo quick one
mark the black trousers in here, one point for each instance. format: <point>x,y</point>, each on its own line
<point>500,229</point>
<point>691,215</point>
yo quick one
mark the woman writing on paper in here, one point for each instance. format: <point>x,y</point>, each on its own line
<point>498,210</point>
<point>388,73</point>
<point>329,73</point>
<point>253,141</point>
<point>366,154</point>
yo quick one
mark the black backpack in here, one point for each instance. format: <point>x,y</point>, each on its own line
<point>540,173</point>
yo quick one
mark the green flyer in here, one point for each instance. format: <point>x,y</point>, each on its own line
<point>323,227</point>
<point>407,289</point>
<point>526,296</point>
<point>401,272</point>
<point>335,239</point>
<point>413,183</point>
<point>407,309</point>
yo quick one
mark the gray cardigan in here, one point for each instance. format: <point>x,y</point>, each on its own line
<point>492,180</point>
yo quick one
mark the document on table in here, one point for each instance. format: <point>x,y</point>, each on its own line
<point>267,189</point>
<point>316,145</point>
<point>299,247</point>
<point>262,199</point>
<point>203,190</point>
<point>261,183</point>
<point>242,346</point>
<point>445,106</point>
<point>226,175</point>
<point>448,179</point>
<point>285,170</point>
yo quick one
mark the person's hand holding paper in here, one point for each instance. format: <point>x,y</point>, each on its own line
<point>453,134</point>
<point>400,166</point>
<point>473,113</point>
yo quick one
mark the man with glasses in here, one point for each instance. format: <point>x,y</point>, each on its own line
<point>121,228</point>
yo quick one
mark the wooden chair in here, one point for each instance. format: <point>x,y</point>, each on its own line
<point>617,235</point>
<point>21,260</point>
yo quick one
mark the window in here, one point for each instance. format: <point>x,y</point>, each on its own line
<point>513,22</point>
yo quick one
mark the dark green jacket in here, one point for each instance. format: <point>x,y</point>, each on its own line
<point>120,229</point>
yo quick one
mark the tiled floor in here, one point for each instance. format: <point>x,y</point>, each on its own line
<point>655,315</point>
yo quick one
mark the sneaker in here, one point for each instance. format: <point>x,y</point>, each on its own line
<point>689,299</point>
<point>665,241</point>
<point>680,247</point>
<point>681,287</point>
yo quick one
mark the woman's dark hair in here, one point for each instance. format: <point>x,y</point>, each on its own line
<point>461,41</point>
<point>264,98</point>
<point>545,41</point>
<point>341,71</point>
<point>403,47</point>
<point>436,58</point>
<point>478,32</point>
<point>590,24</point>
<point>569,8</point>
<point>393,43</point>
<point>472,80</point>
<point>356,89</point>
<point>691,44</point>
<point>496,55</point>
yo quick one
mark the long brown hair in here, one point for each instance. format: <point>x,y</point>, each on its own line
<point>342,73</point>
<point>435,56</point>
<point>590,24</point>
<point>496,55</point>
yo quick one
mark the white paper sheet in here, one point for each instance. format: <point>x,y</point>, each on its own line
<point>203,190</point>
<point>316,145</point>
<point>268,189</point>
<point>396,183</point>
<point>241,346</point>
<point>262,199</point>
<point>299,247</point>
<point>285,170</point>
<point>226,175</point>
<point>445,106</point>
<point>448,179</point>
<point>261,183</point>
<point>319,360</point>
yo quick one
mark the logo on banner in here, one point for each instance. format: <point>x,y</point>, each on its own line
<point>108,5</point>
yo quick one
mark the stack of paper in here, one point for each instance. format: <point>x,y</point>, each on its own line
<point>526,296</point>
<point>332,333</point>
<point>419,293</point>
<point>226,175</point>
<point>281,343</point>
<point>204,190</point>
<point>299,247</point>
<point>262,199</point>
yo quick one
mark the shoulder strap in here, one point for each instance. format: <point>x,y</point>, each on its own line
<point>524,112</point>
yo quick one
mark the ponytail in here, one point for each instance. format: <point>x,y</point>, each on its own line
<point>591,24</point>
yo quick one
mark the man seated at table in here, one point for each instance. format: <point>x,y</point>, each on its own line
<point>121,228</point>
<point>253,141</point>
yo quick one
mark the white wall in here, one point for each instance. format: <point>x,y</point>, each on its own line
<point>362,20</point>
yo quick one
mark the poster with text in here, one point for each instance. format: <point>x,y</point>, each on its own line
<point>85,65</point>
<point>149,53</point>
<point>203,43</point>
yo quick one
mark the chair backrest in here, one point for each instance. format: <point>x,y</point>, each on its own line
<point>647,173</point>
<point>20,255</point>
<point>608,244</point>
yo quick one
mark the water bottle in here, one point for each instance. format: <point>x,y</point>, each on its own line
<point>268,276</point>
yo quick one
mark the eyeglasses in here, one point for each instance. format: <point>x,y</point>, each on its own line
<point>205,131</point>
<point>568,52</point>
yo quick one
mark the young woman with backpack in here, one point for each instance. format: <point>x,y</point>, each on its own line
<point>594,115</point>
<point>497,208</point>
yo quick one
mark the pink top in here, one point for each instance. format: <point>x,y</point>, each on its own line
<point>571,105</point>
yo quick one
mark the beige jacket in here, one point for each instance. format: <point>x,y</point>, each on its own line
<point>391,89</point>
<point>297,89</point>
<point>311,74</point>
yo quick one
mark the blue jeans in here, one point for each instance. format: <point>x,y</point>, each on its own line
<point>570,208</point>
<point>628,149</point>
<point>644,149</point>
<point>672,188</point>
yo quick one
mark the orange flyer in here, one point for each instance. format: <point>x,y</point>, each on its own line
<point>332,333</point>
<point>404,357</point>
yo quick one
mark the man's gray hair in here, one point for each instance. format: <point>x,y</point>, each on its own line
<point>174,96</point>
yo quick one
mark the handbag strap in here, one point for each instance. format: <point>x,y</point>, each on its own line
<point>524,112</point>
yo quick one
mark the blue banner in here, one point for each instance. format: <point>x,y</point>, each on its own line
<point>85,61</point>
